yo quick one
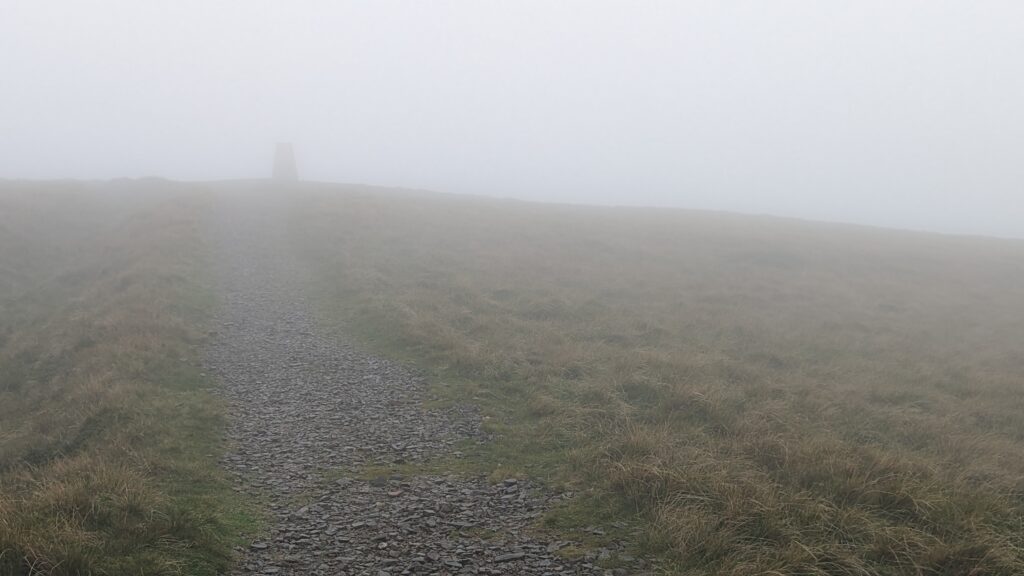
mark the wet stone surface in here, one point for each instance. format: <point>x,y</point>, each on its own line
<point>301,404</point>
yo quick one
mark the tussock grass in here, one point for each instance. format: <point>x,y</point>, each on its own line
<point>768,396</point>
<point>108,437</point>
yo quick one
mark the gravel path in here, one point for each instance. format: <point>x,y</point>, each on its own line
<point>302,404</point>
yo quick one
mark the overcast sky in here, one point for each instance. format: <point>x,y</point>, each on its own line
<point>894,113</point>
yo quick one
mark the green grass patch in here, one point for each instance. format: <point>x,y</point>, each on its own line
<point>109,433</point>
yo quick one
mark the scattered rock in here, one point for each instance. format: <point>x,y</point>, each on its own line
<point>301,403</point>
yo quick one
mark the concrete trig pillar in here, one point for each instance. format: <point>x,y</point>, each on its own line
<point>284,164</point>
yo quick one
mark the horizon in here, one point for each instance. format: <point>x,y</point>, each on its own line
<point>555,203</point>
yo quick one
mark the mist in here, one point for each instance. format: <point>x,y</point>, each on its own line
<point>898,114</point>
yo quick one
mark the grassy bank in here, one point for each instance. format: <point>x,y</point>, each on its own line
<point>108,435</point>
<point>767,396</point>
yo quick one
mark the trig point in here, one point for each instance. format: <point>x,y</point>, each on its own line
<point>284,164</point>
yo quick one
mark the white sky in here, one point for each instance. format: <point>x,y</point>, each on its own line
<point>894,113</point>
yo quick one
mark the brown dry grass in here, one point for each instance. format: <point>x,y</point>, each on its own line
<point>108,439</point>
<point>770,396</point>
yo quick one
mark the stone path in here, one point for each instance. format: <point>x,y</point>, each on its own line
<point>302,404</point>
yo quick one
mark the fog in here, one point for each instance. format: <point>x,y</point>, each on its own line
<point>903,114</point>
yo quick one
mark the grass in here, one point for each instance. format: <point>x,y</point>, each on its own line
<point>763,396</point>
<point>109,436</point>
<point>735,395</point>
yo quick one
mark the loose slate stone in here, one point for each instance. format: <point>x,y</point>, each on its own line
<point>301,402</point>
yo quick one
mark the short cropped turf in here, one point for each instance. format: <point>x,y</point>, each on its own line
<point>763,396</point>
<point>109,436</point>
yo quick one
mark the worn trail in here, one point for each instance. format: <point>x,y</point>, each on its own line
<point>308,413</point>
